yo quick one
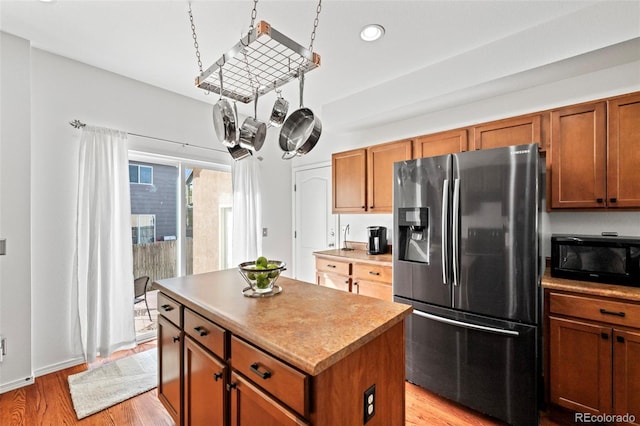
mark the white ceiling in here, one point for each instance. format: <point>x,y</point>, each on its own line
<point>434,53</point>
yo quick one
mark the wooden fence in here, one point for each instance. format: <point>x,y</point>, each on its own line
<point>158,260</point>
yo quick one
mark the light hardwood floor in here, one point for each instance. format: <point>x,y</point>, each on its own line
<point>48,402</point>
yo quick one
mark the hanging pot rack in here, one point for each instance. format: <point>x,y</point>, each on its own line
<point>262,61</point>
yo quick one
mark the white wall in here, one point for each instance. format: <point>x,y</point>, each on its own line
<point>63,90</point>
<point>15,182</point>
<point>589,86</point>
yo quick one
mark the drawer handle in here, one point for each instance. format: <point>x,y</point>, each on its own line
<point>167,308</point>
<point>605,336</point>
<point>620,339</point>
<point>599,200</point>
<point>331,266</point>
<point>231,385</point>
<point>176,339</point>
<point>374,273</point>
<point>618,314</point>
<point>201,331</point>
<point>217,376</point>
<point>265,375</point>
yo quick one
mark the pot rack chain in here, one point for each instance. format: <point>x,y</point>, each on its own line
<point>195,38</point>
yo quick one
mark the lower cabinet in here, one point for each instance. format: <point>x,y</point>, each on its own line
<point>170,366</point>
<point>249,403</point>
<point>594,354</point>
<point>205,394</point>
<point>367,279</point>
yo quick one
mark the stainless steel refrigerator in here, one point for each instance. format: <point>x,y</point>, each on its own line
<point>465,256</point>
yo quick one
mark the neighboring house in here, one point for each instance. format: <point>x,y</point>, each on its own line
<point>154,188</point>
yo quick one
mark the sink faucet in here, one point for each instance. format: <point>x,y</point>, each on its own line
<point>344,239</point>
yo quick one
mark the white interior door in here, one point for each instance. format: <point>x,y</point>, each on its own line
<point>315,226</point>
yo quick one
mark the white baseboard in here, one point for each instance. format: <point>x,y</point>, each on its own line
<point>6,387</point>
<point>59,366</point>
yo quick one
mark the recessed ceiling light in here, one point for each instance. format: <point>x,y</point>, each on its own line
<point>371,32</point>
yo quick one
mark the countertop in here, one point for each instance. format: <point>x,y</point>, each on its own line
<point>357,256</point>
<point>308,326</point>
<point>591,288</point>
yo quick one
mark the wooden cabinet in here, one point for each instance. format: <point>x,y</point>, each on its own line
<point>578,156</point>
<point>367,279</point>
<point>593,354</point>
<point>380,159</point>
<point>372,280</point>
<point>349,178</point>
<point>623,151</point>
<point>449,142</point>
<point>205,395</point>
<point>511,131</point>
<point>170,367</point>
<point>249,403</point>
<point>362,179</point>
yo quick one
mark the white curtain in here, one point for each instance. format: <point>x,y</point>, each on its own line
<point>247,210</point>
<point>104,261</point>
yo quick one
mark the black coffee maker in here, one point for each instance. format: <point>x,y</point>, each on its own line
<point>377,240</point>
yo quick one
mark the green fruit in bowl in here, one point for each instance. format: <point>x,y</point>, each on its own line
<point>251,276</point>
<point>262,261</point>
<point>262,282</point>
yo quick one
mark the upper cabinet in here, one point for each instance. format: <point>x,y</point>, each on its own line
<point>449,142</point>
<point>380,159</point>
<point>363,178</point>
<point>623,151</point>
<point>595,152</point>
<point>349,178</point>
<point>578,156</point>
<point>512,131</point>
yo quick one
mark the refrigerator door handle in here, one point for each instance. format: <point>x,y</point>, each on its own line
<point>456,230</point>
<point>445,237</point>
<point>466,324</point>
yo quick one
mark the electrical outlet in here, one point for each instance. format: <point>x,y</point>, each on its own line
<point>264,232</point>
<point>369,403</point>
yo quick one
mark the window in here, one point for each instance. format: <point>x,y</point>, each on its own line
<point>140,174</point>
<point>143,228</point>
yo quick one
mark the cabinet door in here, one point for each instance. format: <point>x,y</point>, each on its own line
<point>373,289</point>
<point>250,406</point>
<point>578,156</point>
<point>580,365</point>
<point>442,143</point>
<point>380,159</point>
<point>349,179</point>
<point>170,366</point>
<point>508,132</point>
<point>204,387</point>
<point>623,152</point>
<point>626,373</point>
<point>339,282</point>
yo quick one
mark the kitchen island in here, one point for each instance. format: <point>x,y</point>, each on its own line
<point>305,356</point>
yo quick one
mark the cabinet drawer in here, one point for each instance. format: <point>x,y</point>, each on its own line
<point>285,383</point>
<point>333,266</point>
<point>339,282</point>
<point>370,272</point>
<point>205,332</point>
<point>170,309</point>
<point>609,311</point>
<point>378,290</point>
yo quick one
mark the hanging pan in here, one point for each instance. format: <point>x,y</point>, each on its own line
<point>301,130</point>
<point>253,132</point>
<point>279,111</point>
<point>225,120</point>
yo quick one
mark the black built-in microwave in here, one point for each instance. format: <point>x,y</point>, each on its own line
<point>605,259</point>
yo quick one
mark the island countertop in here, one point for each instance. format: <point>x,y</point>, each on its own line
<point>308,326</point>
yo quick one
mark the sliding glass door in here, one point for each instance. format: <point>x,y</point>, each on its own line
<point>180,225</point>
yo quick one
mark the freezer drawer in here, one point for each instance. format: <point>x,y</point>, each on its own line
<point>486,364</point>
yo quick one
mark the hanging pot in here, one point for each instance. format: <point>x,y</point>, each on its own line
<point>253,132</point>
<point>279,111</point>
<point>225,120</point>
<point>238,153</point>
<point>301,130</point>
